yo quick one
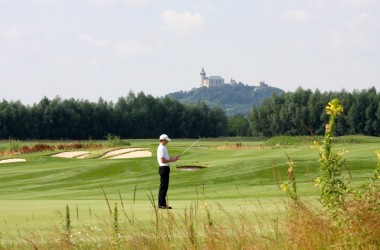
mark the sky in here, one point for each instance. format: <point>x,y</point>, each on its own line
<point>91,49</point>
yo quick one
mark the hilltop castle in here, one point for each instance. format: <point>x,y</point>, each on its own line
<point>216,81</point>
<point>211,81</point>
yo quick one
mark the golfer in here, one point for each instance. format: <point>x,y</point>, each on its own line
<point>164,159</point>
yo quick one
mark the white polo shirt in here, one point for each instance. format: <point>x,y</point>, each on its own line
<point>162,151</point>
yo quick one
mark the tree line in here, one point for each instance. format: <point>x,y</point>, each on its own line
<point>302,113</point>
<point>133,116</point>
<point>143,116</point>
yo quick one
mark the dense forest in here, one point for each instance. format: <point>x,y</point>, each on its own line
<point>232,98</point>
<point>302,113</point>
<point>143,116</point>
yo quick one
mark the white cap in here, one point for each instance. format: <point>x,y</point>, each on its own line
<point>164,137</point>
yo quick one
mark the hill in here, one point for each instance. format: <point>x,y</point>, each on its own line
<point>233,98</point>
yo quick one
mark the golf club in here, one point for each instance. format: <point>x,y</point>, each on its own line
<point>190,146</point>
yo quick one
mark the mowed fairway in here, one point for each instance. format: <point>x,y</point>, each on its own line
<point>235,178</point>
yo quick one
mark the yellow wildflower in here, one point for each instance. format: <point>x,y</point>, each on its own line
<point>334,107</point>
<point>316,145</point>
<point>284,187</point>
<point>317,182</point>
<point>342,153</point>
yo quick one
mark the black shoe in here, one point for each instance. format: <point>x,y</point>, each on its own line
<point>165,207</point>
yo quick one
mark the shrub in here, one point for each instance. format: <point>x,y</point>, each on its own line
<point>116,141</point>
<point>13,145</point>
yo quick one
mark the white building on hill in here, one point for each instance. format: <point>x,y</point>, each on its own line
<point>217,81</point>
<point>211,81</point>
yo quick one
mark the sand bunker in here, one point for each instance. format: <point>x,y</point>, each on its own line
<point>190,168</point>
<point>123,153</point>
<point>73,154</point>
<point>13,160</point>
<point>118,152</point>
<point>133,154</point>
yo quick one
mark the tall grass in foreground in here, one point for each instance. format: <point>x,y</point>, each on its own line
<point>197,227</point>
<point>349,218</point>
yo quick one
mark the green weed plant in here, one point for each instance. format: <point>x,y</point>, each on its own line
<point>288,141</point>
<point>116,141</point>
<point>13,145</point>
<point>332,186</point>
<point>357,216</point>
<point>290,186</point>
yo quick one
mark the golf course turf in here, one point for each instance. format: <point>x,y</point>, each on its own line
<point>231,177</point>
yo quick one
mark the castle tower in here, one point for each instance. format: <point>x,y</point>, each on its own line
<point>203,76</point>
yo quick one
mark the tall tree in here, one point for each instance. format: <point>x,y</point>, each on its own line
<point>238,125</point>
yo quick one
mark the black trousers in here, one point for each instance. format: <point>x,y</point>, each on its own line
<point>164,172</point>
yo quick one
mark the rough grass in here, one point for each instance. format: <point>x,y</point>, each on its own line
<point>285,141</point>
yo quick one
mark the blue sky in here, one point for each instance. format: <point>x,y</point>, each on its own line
<point>88,49</point>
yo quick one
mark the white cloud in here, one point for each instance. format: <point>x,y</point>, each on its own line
<point>17,40</point>
<point>70,63</point>
<point>205,7</point>
<point>358,33</point>
<point>132,49</point>
<point>119,2</point>
<point>184,23</point>
<point>364,20</point>
<point>40,42</point>
<point>3,59</point>
<point>297,15</point>
<point>363,31</point>
<point>92,41</point>
<point>357,2</point>
<point>335,39</point>
<point>64,60</point>
<point>33,1</point>
<point>44,1</point>
<point>47,38</point>
<point>10,32</point>
<point>92,62</point>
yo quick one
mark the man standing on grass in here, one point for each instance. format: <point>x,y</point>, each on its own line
<point>164,159</point>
